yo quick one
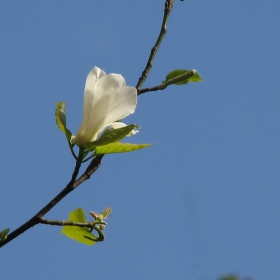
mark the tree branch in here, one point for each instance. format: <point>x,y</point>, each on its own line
<point>93,166</point>
<point>96,162</point>
<point>167,10</point>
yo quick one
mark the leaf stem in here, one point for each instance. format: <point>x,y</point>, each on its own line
<point>85,160</point>
<point>164,85</point>
<point>69,223</point>
<point>72,151</point>
<point>163,30</point>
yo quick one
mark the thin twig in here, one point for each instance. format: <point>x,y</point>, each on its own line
<point>68,223</point>
<point>173,81</point>
<point>148,89</point>
<point>75,172</point>
<point>167,10</point>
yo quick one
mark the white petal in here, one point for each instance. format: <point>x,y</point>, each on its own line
<point>107,83</point>
<point>115,104</point>
<point>122,103</point>
<point>107,100</point>
<point>116,125</point>
<point>94,75</point>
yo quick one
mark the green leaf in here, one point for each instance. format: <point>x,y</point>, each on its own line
<point>78,216</point>
<point>3,234</point>
<point>119,148</point>
<point>196,78</point>
<point>105,213</point>
<point>60,117</point>
<point>111,135</point>
<point>177,73</point>
<point>80,234</point>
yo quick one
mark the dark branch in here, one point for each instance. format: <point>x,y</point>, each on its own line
<point>68,223</point>
<point>93,166</point>
<point>167,10</point>
<point>95,163</point>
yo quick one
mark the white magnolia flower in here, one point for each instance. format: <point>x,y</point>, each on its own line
<point>107,100</point>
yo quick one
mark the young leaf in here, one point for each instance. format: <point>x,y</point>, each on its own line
<point>80,234</point>
<point>111,136</point>
<point>196,78</point>
<point>78,215</point>
<point>105,213</point>
<point>3,234</point>
<point>180,75</point>
<point>60,117</point>
<point>119,148</point>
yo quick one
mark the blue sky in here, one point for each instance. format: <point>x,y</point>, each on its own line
<point>204,200</point>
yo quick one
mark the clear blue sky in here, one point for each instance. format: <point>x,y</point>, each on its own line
<point>204,200</point>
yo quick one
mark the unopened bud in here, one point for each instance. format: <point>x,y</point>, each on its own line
<point>102,227</point>
<point>94,214</point>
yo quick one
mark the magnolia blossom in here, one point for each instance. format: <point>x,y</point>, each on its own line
<point>107,99</point>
